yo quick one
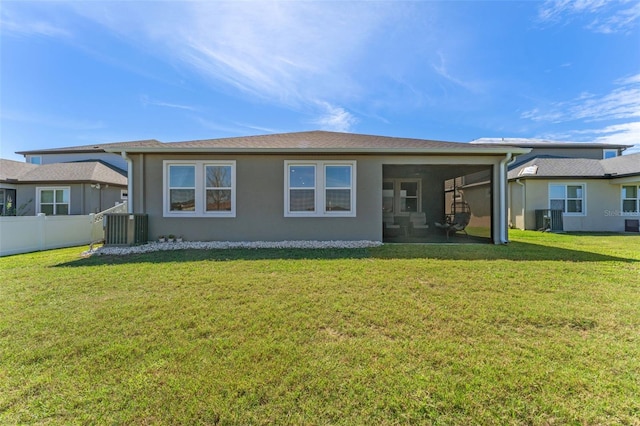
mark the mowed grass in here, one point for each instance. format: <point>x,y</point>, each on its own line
<point>543,331</point>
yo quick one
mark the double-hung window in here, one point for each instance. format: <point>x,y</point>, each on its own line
<point>219,187</point>
<point>570,198</point>
<point>199,188</point>
<point>320,188</point>
<point>630,199</point>
<point>53,201</point>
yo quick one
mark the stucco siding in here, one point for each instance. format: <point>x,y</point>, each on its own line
<point>113,159</point>
<point>602,205</point>
<point>516,207</point>
<point>260,191</point>
<point>260,205</point>
<point>83,198</point>
<point>593,153</point>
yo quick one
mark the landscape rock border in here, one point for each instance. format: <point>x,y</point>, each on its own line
<point>227,245</point>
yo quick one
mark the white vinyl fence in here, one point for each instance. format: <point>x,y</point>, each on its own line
<point>23,234</point>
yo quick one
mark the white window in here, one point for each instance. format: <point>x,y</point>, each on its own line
<point>53,201</point>
<point>402,196</point>
<point>609,153</point>
<point>124,194</point>
<point>35,159</point>
<point>199,188</point>
<point>570,198</point>
<point>630,199</point>
<point>320,188</point>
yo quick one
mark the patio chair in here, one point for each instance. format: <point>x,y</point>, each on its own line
<point>418,222</point>
<point>457,220</point>
<point>390,227</point>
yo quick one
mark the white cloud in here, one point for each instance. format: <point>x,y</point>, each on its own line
<point>601,16</point>
<point>335,118</point>
<point>288,52</point>
<point>618,110</point>
<point>443,71</point>
<point>51,121</point>
<point>14,22</point>
<point>621,103</point>
<point>627,133</point>
<point>146,100</point>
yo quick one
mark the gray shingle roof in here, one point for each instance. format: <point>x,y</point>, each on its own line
<point>555,167</point>
<point>99,147</point>
<point>86,171</point>
<point>319,141</point>
<point>13,170</point>
<point>622,165</point>
<point>545,143</point>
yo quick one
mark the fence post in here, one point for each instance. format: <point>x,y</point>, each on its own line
<point>42,230</point>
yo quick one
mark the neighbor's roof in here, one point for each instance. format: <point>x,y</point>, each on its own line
<point>545,143</point>
<point>560,167</point>
<point>319,142</point>
<point>12,170</point>
<point>82,171</point>
<point>100,147</point>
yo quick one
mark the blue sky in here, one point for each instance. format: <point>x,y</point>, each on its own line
<point>77,73</point>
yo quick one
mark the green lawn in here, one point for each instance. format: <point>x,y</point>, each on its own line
<point>543,331</point>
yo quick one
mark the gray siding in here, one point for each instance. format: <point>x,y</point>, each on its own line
<point>109,158</point>
<point>260,206</point>
<point>591,153</point>
<point>603,205</point>
<point>84,199</point>
<point>260,199</point>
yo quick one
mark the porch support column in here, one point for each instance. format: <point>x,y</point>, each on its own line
<point>502,194</point>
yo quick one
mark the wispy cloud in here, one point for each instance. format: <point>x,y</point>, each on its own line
<point>335,118</point>
<point>51,121</point>
<point>619,110</point>
<point>443,71</point>
<point>623,134</point>
<point>146,100</point>
<point>601,16</point>
<point>288,52</point>
<point>621,103</point>
<point>13,21</point>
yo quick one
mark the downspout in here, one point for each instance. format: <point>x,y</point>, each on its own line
<point>524,203</point>
<point>129,181</point>
<point>503,200</point>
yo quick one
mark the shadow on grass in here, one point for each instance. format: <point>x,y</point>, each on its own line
<point>516,251</point>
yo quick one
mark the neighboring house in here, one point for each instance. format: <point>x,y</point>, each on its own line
<point>594,195</point>
<point>95,152</point>
<point>76,188</point>
<point>595,187</point>
<point>311,186</point>
<point>539,147</point>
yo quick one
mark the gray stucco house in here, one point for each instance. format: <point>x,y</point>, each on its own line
<point>313,185</point>
<point>76,188</point>
<point>593,185</point>
<point>594,195</point>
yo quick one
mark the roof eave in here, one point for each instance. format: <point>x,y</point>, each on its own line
<point>68,182</point>
<point>395,151</point>
<point>61,151</point>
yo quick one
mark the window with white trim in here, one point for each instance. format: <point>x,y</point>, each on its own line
<point>570,198</point>
<point>630,199</point>
<point>53,201</point>
<point>199,188</point>
<point>609,153</point>
<point>320,188</point>
<point>35,159</point>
